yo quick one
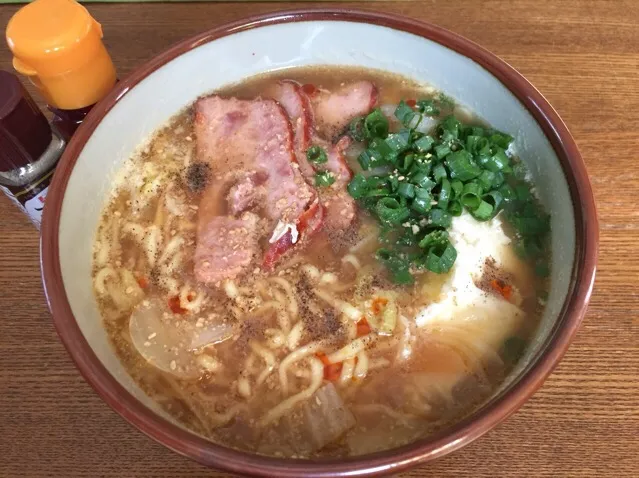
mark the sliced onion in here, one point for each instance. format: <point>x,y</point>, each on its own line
<point>426,125</point>
<point>159,341</point>
<point>169,343</point>
<point>211,335</point>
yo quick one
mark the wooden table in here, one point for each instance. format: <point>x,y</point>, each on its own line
<point>584,56</point>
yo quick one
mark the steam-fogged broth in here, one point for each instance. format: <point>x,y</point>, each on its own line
<point>240,277</point>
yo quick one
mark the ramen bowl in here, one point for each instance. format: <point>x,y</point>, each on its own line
<point>151,95</point>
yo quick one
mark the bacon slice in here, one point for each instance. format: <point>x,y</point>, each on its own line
<point>298,108</point>
<point>243,140</point>
<point>335,111</point>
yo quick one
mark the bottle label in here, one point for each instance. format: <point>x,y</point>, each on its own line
<point>31,198</point>
<point>35,205</point>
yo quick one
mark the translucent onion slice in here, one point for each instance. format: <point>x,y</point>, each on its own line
<point>171,343</point>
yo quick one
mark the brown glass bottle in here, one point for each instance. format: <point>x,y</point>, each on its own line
<point>29,148</point>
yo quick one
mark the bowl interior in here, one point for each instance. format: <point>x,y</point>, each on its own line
<point>229,59</point>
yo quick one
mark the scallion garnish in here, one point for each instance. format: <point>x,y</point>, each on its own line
<point>431,178</point>
<point>324,178</point>
<point>316,155</point>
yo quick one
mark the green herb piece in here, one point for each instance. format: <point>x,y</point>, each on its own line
<point>444,194</point>
<point>440,218</point>
<point>434,238</point>
<point>324,178</point>
<point>424,144</point>
<point>423,201</point>
<point>440,258</point>
<point>406,190</point>
<point>471,196</point>
<point>316,155</point>
<point>358,186</point>
<point>427,107</point>
<point>391,211</point>
<point>483,212</point>
<point>398,141</point>
<point>405,114</point>
<point>375,125</point>
<point>455,208</point>
<point>462,166</point>
<point>397,265</point>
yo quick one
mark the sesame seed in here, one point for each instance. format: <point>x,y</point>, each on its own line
<point>173,365</point>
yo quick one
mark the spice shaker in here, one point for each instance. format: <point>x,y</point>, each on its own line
<point>29,148</point>
<point>58,45</point>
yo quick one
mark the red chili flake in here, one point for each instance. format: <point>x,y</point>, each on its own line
<point>363,328</point>
<point>502,288</point>
<point>174,305</point>
<point>411,103</point>
<point>142,282</point>
<point>333,371</point>
<point>323,358</point>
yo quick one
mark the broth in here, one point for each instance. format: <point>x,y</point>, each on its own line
<point>323,354</point>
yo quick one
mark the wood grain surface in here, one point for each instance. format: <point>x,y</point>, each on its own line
<point>584,57</point>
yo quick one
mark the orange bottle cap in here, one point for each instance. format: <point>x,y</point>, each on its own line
<point>58,45</point>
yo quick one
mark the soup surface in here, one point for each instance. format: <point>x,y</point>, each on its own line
<point>321,262</point>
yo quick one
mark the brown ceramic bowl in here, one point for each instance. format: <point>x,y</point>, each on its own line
<point>160,88</point>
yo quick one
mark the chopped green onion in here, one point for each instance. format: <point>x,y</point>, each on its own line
<point>462,166</point>
<point>406,190</point>
<point>424,144</point>
<point>316,155</point>
<point>502,140</point>
<point>358,186</point>
<point>483,212</point>
<point>457,186</point>
<point>471,196</point>
<point>499,179</point>
<point>423,180</point>
<point>440,218</point>
<point>324,178</point>
<point>477,145</point>
<point>507,192</point>
<point>439,173</point>
<point>423,201</point>
<point>406,161</point>
<point>455,208</point>
<point>405,114</point>
<point>376,125</point>
<point>440,258</point>
<point>486,179</point>
<point>444,194</point>
<point>397,265</point>
<point>398,141</point>
<point>391,211</point>
<point>427,107</point>
<point>498,162</point>
<point>449,128</point>
<point>441,151</point>
<point>434,238</point>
